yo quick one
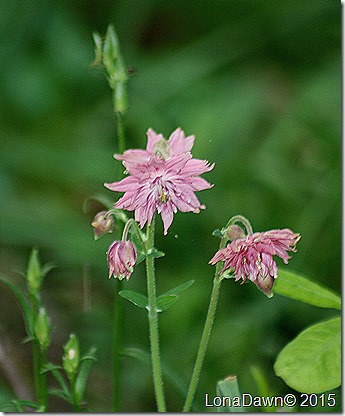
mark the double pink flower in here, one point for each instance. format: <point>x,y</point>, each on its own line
<point>251,256</point>
<point>163,177</point>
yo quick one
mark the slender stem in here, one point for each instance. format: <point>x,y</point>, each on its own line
<point>118,300</point>
<point>36,369</point>
<point>39,360</point>
<point>76,405</point>
<point>243,220</point>
<point>153,323</point>
<point>206,334</point>
<point>118,313</point>
<point>120,130</point>
<point>43,379</point>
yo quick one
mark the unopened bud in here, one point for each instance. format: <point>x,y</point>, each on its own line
<point>265,284</point>
<point>71,358</point>
<point>34,273</point>
<point>102,223</point>
<point>234,231</point>
<point>122,257</point>
<point>42,329</point>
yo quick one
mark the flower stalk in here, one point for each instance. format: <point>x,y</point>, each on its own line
<point>153,323</point>
<point>206,333</point>
<point>108,54</point>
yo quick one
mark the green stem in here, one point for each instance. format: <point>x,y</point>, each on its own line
<point>36,369</point>
<point>206,334</point>
<point>76,405</point>
<point>118,300</point>
<point>118,313</point>
<point>243,220</point>
<point>39,360</point>
<point>153,323</point>
<point>43,379</point>
<point>120,129</point>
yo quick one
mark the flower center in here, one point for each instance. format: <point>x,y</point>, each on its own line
<point>162,149</point>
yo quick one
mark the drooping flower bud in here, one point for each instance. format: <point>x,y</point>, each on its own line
<point>71,357</point>
<point>42,329</point>
<point>102,223</point>
<point>122,257</point>
<point>235,231</point>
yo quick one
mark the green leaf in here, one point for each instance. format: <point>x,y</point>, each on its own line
<point>229,388</point>
<point>83,373</point>
<point>136,298</point>
<point>311,363</point>
<point>155,253</point>
<point>299,288</point>
<point>180,288</point>
<point>61,394</point>
<point>262,386</point>
<point>20,404</point>
<point>165,302</point>
<point>55,369</point>
<point>170,374</point>
<point>26,308</point>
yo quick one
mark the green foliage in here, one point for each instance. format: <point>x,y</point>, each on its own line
<point>299,288</point>
<point>229,388</point>
<point>25,305</point>
<point>136,298</point>
<point>164,302</point>
<point>311,363</point>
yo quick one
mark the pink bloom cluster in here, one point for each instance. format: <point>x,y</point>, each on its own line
<point>163,177</point>
<point>251,256</point>
<point>122,257</point>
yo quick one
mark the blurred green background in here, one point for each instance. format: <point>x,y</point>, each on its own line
<point>258,83</point>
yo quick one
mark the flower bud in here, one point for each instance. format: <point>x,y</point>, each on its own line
<point>234,231</point>
<point>71,357</point>
<point>34,273</point>
<point>102,223</point>
<point>42,329</point>
<point>122,256</point>
<point>265,284</point>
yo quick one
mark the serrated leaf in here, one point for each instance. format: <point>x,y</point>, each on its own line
<point>229,388</point>
<point>26,308</point>
<point>180,288</point>
<point>83,373</point>
<point>299,288</point>
<point>311,363</point>
<point>136,298</point>
<point>165,302</point>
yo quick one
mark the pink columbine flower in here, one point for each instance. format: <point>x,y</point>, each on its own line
<point>164,177</point>
<point>251,256</point>
<point>122,257</point>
